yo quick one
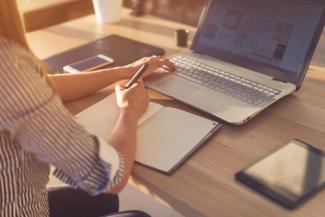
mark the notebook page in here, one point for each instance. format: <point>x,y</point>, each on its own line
<point>100,118</point>
<point>170,136</point>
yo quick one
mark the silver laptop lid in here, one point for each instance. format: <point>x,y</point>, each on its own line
<point>273,37</point>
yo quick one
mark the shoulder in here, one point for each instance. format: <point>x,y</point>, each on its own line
<point>22,87</point>
<point>10,49</point>
<point>20,68</point>
<point>15,59</point>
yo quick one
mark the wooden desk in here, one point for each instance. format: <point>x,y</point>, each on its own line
<point>205,185</point>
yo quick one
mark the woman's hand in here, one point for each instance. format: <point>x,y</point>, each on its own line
<point>155,62</point>
<point>132,102</point>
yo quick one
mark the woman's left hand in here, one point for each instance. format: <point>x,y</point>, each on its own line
<point>155,62</point>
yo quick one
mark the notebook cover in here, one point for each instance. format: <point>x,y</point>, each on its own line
<point>166,137</point>
<point>121,49</point>
<point>169,138</point>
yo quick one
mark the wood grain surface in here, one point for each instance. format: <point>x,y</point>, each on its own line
<point>205,185</point>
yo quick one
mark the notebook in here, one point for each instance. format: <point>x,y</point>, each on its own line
<point>166,136</point>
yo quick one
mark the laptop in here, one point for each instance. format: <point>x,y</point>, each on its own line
<point>246,55</point>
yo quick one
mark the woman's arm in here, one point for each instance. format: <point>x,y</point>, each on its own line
<point>123,138</point>
<point>36,119</point>
<point>132,103</point>
<point>74,86</point>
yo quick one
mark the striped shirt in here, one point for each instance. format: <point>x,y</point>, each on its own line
<point>36,131</point>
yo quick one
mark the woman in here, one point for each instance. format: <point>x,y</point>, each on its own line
<point>36,131</point>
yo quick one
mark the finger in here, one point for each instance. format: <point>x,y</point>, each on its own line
<point>168,68</point>
<point>119,88</point>
<point>142,60</point>
<point>166,61</point>
<point>163,62</point>
<point>138,84</point>
<point>156,62</point>
<point>153,59</point>
<point>141,83</point>
<point>134,86</point>
<point>155,56</point>
<point>170,65</point>
<point>145,59</point>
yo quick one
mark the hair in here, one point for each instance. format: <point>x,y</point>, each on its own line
<point>12,27</point>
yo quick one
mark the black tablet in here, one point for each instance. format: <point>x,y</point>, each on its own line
<point>289,175</point>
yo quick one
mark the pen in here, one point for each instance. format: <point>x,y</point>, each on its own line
<point>136,76</point>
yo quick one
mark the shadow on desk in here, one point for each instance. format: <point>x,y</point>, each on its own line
<point>169,200</point>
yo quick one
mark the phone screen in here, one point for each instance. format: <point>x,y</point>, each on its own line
<point>89,63</point>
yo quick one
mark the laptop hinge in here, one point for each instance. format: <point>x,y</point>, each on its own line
<point>276,79</point>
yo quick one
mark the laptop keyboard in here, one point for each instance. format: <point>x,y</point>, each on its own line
<point>232,85</point>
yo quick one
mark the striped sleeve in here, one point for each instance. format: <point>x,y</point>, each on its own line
<point>37,120</point>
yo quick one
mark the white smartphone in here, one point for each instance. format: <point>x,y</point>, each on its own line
<point>89,64</point>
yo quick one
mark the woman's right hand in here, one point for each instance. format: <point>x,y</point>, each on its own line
<point>132,102</point>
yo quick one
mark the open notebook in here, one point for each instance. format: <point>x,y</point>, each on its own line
<point>166,136</point>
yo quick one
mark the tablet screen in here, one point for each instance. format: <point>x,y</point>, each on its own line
<point>291,172</point>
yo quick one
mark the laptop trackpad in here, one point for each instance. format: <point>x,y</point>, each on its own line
<point>175,86</point>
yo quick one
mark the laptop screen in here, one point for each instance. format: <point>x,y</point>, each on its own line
<point>275,34</point>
